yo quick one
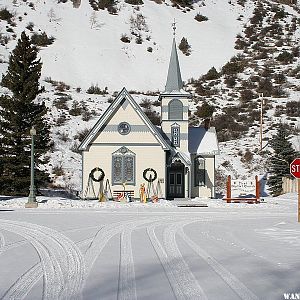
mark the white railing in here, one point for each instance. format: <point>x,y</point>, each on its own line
<point>289,185</point>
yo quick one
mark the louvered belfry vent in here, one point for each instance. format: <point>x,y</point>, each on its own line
<point>175,110</point>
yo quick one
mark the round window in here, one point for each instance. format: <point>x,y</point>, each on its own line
<point>124,128</point>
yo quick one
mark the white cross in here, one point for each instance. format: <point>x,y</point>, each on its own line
<point>174,27</point>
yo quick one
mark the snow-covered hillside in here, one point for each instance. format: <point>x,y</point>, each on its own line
<point>88,51</point>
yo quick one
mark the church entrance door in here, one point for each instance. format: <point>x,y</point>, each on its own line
<point>176,181</point>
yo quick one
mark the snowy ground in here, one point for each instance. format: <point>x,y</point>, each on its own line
<point>149,251</point>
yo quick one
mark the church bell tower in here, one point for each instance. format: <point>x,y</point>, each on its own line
<point>174,105</point>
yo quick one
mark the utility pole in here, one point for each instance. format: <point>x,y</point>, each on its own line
<point>261,119</point>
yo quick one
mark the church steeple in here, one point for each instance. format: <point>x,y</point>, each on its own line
<point>175,104</point>
<point>174,81</point>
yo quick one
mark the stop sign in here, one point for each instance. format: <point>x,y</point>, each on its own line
<point>295,167</point>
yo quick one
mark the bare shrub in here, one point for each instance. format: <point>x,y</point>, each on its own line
<point>146,103</point>
<point>125,38</point>
<point>63,136</point>
<point>5,14</point>
<point>205,110</point>
<point>61,102</point>
<point>77,109</point>
<point>293,108</point>
<point>248,156</point>
<point>153,116</point>
<point>94,89</point>
<point>74,147</point>
<point>42,39</point>
<point>58,171</point>
<point>200,18</point>
<point>61,120</point>
<point>80,135</point>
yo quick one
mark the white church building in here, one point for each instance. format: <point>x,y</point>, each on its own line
<point>129,149</point>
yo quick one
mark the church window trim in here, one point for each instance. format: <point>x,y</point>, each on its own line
<point>175,134</point>
<point>200,171</point>
<point>123,167</point>
<point>175,110</point>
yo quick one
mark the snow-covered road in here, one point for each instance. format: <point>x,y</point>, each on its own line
<point>227,252</point>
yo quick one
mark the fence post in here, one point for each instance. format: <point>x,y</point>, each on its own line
<point>298,199</point>
<point>228,188</point>
<point>257,188</point>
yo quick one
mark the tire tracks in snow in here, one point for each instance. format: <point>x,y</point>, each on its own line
<point>235,284</point>
<point>21,288</point>
<point>181,279</point>
<point>185,277</point>
<point>127,282</point>
<point>2,241</point>
<point>127,286</point>
<point>13,245</point>
<point>234,242</point>
<point>24,284</point>
<point>61,261</point>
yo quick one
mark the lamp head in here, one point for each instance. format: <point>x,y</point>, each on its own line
<point>32,131</point>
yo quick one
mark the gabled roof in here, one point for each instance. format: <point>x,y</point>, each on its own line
<point>111,110</point>
<point>203,141</point>
<point>183,157</point>
<point>174,81</point>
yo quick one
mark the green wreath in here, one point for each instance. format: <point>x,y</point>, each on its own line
<point>100,177</point>
<point>150,179</point>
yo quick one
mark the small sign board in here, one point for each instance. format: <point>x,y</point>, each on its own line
<point>243,190</point>
<point>239,186</point>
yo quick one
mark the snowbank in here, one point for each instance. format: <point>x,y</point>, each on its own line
<point>283,203</point>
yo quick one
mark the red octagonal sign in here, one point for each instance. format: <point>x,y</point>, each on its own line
<point>295,167</point>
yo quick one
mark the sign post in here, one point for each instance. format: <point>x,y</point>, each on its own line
<point>295,171</point>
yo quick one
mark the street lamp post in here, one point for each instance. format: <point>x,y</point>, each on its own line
<point>32,203</point>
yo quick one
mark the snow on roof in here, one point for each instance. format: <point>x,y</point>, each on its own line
<point>203,141</point>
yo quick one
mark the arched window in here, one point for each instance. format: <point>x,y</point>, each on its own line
<point>123,166</point>
<point>175,110</point>
<point>199,171</point>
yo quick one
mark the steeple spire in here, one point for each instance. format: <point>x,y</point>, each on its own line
<point>174,81</point>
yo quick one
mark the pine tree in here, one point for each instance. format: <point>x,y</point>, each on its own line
<point>284,154</point>
<point>20,111</point>
<point>185,47</point>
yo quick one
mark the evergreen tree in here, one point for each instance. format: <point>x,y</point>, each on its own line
<point>284,154</point>
<point>19,112</point>
<point>185,47</point>
<point>212,74</point>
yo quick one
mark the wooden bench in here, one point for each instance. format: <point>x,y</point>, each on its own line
<point>117,193</point>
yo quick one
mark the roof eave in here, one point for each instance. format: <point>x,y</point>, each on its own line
<point>123,94</point>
